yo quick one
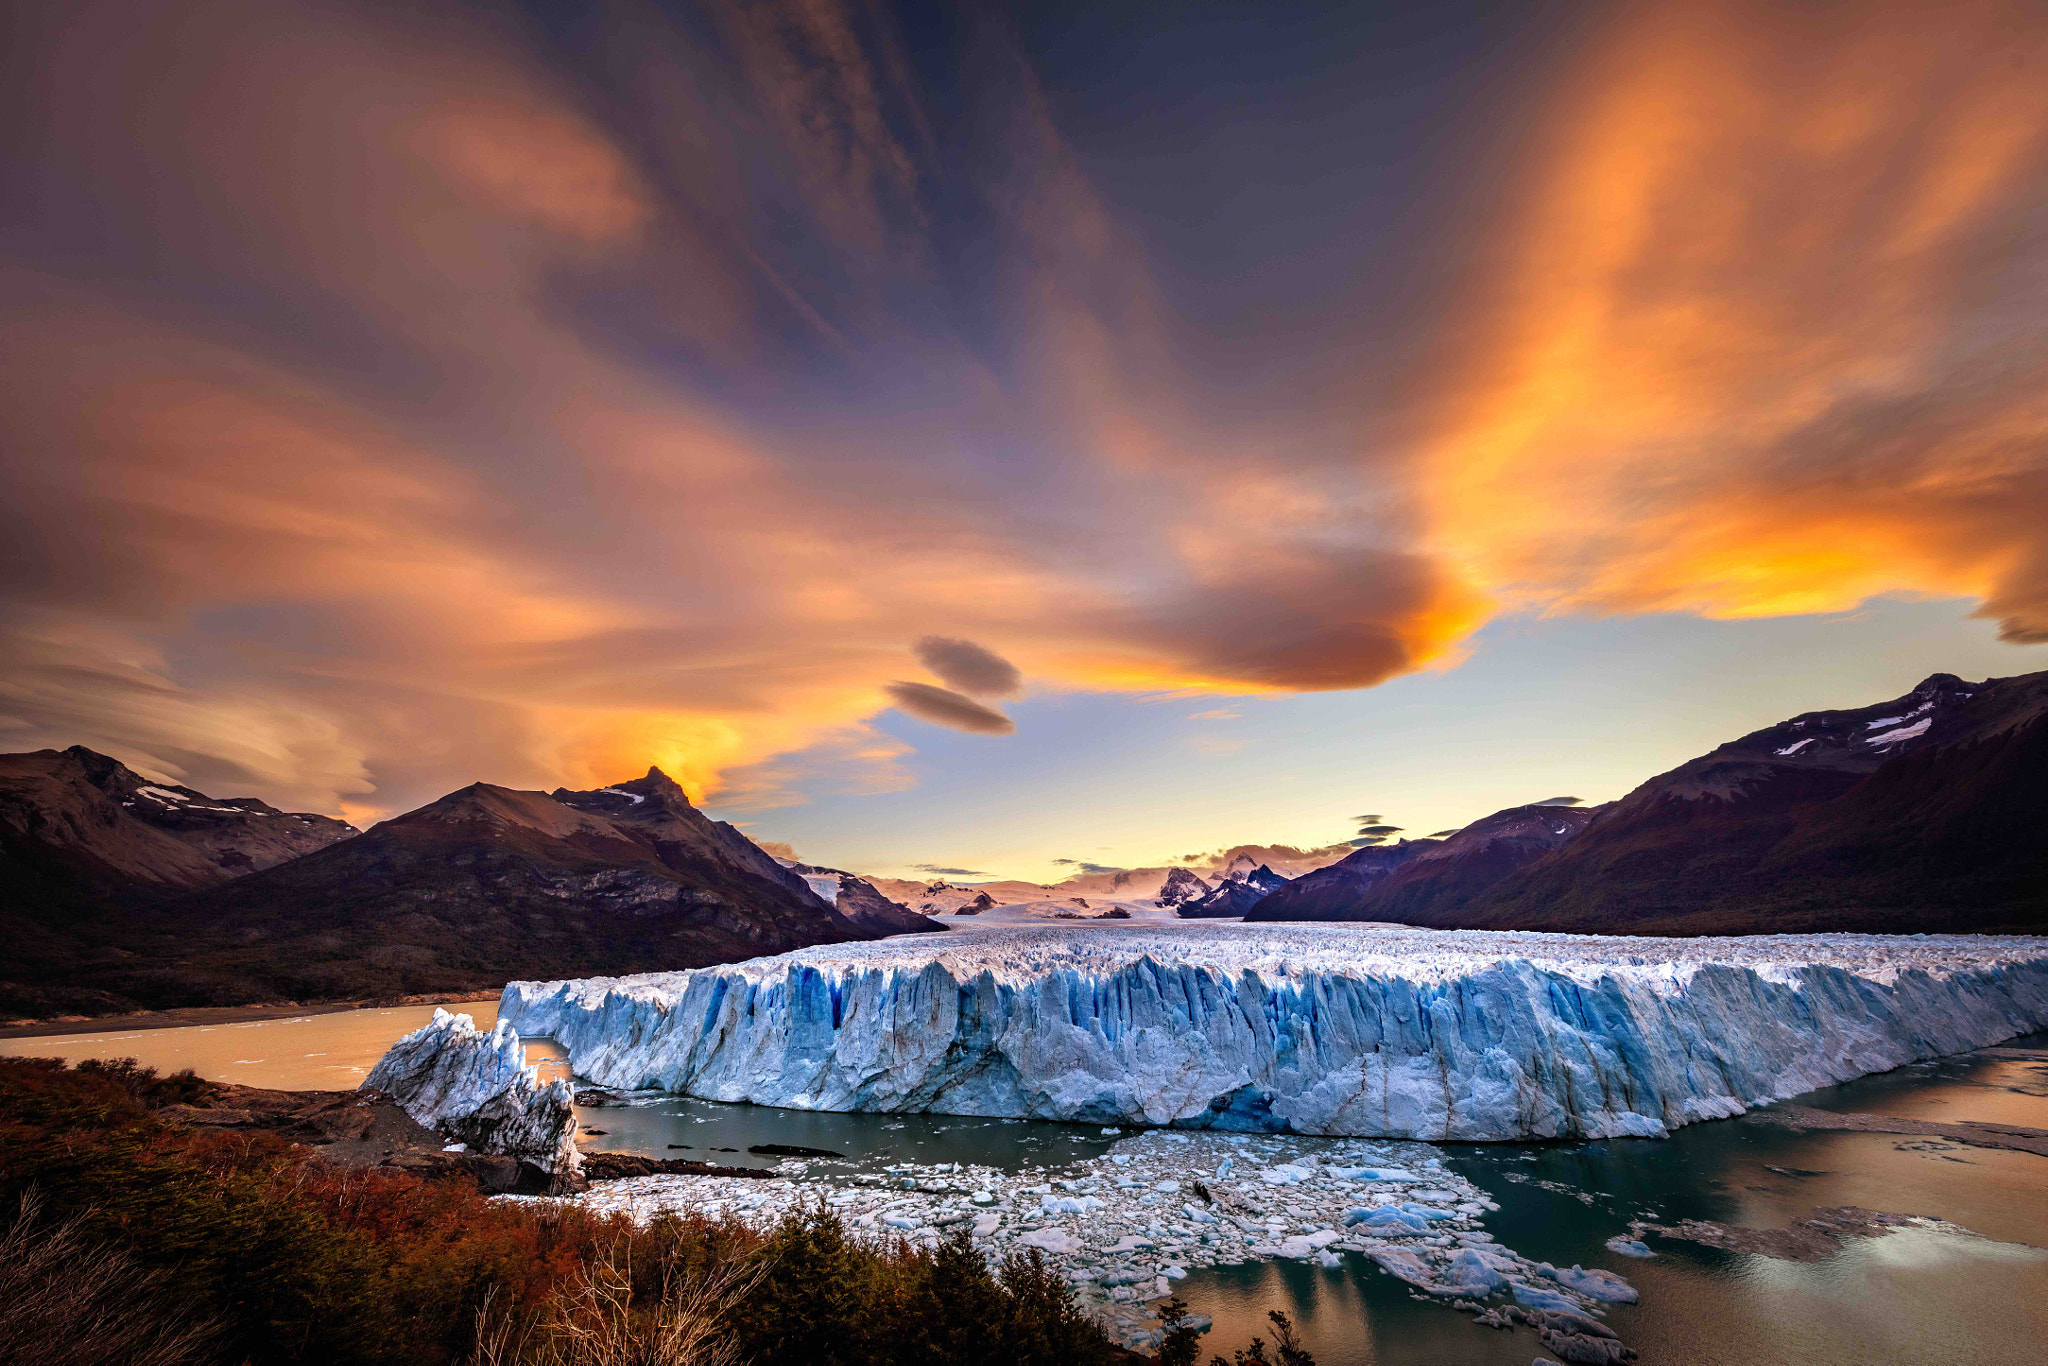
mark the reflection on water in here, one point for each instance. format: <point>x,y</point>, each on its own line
<point>1920,1297</point>
<point>331,1052</point>
<point>676,1126</point>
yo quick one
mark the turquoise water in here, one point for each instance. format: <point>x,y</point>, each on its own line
<point>1919,1297</point>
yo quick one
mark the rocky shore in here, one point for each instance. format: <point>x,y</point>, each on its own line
<point>362,1128</point>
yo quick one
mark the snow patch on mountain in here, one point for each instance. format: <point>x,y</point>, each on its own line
<point>1323,1029</point>
<point>1893,737</point>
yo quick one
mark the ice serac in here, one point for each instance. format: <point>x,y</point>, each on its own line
<point>477,1089</point>
<point>1337,1029</point>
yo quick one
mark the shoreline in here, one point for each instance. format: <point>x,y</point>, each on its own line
<point>188,1016</point>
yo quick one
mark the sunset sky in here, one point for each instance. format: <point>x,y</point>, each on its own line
<point>1009,438</point>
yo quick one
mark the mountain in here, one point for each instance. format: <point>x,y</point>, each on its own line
<point>1340,891</point>
<point>1921,814</point>
<point>1167,884</point>
<point>1415,880</point>
<point>1181,886</point>
<point>858,900</point>
<point>78,826</point>
<point>1239,891</point>
<point>86,843</point>
<point>486,884</point>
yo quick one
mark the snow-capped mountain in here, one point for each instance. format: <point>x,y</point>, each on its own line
<point>1168,885</point>
<point>1240,889</point>
<point>1181,886</point>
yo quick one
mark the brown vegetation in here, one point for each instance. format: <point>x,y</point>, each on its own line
<point>243,1248</point>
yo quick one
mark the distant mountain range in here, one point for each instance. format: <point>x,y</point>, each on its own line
<point>1242,886</point>
<point>1168,885</point>
<point>1926,813</point>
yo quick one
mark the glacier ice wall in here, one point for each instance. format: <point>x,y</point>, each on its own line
<point>1318,1029</point>
<point>477,1088</point>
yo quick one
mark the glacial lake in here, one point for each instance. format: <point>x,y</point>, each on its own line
<point>1974,1293</point>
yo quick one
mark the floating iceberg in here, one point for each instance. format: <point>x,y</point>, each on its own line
<point>1313,1029</point>
<point>477,1089</point>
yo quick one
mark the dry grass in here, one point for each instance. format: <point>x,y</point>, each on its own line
<point>601,1320</point>
<point>69,1301</point>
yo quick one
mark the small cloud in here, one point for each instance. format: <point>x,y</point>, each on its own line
<point>948,872</point>
<point>942,707</point>
<point>968,667</point>
<point>1446,834</point>
<point>1086,866</point>
<point>1218,715</point>
<point>1368,820</point>
<point>778,849</point>
<point>1559,801</point>
<point>1368,842</point>
<point>1381,830</point>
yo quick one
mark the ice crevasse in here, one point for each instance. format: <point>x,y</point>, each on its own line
<point>1343,1030</point>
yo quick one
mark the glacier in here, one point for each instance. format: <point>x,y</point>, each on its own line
<point>478,1089</point>
<point>1347,1030</point>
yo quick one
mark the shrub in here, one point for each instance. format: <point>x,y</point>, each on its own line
<point>249,1250</point>
<point>73,1302</point>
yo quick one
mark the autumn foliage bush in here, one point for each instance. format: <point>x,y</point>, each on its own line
<point>261,1254</point>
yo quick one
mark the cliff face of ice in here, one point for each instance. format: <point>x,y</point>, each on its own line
<point>477,1089</point>
<point>1353,1030</point>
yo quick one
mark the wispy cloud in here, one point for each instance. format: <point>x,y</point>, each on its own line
<point>1762,339</point>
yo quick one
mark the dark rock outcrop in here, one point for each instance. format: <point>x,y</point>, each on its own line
<point>1235,895</point>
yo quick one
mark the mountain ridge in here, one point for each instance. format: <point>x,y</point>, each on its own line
<point>1917,814</point>
<point>481,885</point>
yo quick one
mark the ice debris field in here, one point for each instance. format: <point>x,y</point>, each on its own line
<point>1358,1030</point>
<point>1124,1227</point>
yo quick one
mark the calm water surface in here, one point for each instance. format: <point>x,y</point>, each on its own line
<point>331,1052</point>
<point>1920,1297</point>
